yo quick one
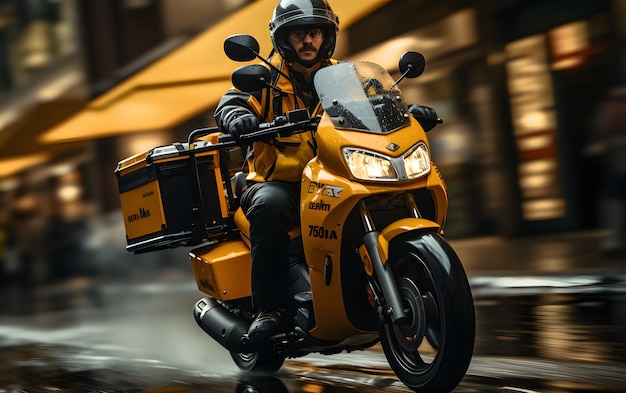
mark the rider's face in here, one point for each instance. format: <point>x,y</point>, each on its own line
<point>306,43</point>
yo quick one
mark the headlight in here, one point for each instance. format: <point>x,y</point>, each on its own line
<point>417,162</point>
<point>369,166</point>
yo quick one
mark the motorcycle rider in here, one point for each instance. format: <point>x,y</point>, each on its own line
<point>303,34</point>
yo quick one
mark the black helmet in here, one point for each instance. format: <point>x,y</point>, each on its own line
<point>292,14</point>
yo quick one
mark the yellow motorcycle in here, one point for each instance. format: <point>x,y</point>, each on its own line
<point>369,262</point>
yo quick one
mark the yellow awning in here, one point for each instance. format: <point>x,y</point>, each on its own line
<point>186,82</point>
<point>18,147</point>
<point>11,166</point>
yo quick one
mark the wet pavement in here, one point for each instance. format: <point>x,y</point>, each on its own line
<point>551,317</point>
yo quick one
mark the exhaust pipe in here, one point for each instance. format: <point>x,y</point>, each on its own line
<point>222,325</point>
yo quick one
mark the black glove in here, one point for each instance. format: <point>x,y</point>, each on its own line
<point>425,115</point>
<point>242,125</point>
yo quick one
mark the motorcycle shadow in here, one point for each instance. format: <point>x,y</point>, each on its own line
<point>260,384</point>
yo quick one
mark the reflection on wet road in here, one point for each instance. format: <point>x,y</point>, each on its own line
<point>562,327</point>
<point>35,368</point>
<point>144,339</point>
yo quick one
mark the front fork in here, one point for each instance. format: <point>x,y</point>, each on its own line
<point>376,248</point>
<point>385,279</point>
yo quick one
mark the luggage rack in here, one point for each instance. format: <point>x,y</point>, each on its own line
<point>179,195</point>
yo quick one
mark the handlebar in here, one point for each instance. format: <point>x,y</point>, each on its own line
<point>281,125</point>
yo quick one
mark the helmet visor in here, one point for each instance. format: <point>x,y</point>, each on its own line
<point>311,16</point>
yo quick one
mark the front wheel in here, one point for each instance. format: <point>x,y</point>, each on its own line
<point>431,350</point>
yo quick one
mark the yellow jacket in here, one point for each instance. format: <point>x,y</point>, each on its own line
<point>282,158</point>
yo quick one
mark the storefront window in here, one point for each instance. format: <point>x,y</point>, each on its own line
<point>535,127</point>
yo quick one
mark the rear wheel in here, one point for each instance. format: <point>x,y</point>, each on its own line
<point>265,361</point>
<point>431,350</point>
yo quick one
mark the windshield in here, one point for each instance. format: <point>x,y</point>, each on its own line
<point>360,96</point>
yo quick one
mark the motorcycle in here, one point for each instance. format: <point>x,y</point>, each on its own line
<point>369,262</point>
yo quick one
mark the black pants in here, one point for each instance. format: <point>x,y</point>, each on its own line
<point>272,209</point>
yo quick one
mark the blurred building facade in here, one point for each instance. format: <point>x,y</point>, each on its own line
<point>516,82</point>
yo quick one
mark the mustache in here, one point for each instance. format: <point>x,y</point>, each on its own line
<point>307,47</point>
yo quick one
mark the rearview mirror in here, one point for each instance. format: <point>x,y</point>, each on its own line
<point>251,77</point>
<point>241,47</point>
<point>412,64</point>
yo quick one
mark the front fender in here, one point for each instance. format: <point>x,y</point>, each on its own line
<point>393,230</point>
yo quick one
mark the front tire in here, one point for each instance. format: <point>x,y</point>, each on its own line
<point>431,350</point>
